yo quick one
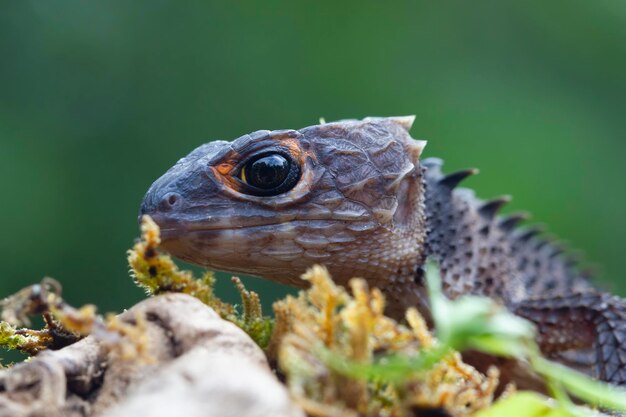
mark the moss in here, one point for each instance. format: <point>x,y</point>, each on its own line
<point>339,353</point>
<point>325,316</point>
<point>251,319</point>
<point>12,338</point>
<point>326,322</point>
<point>64,324</point>
<point>39,299</point>
<point>157,273</point>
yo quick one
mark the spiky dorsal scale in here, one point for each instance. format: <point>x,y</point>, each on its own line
<point>461,238</point>
<point>511,221</point>
<point>534,276</point>
<point>490,208</point>
<point>453,180</point>
<point>483,253</point>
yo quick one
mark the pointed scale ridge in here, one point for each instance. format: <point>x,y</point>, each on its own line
<point>455,178</point>
<point>490,208</point>
<point>510,222</point>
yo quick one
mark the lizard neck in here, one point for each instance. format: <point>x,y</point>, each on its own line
<point>397,252</point>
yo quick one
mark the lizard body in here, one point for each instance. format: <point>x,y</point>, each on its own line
<point>356,197</point>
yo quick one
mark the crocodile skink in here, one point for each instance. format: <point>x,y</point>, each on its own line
<point>355,196</point>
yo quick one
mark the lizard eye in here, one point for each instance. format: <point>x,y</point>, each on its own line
<point>269,174</point>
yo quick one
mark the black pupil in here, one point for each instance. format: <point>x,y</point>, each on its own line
<point>267,172</point>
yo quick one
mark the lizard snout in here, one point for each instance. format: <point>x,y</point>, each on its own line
<point>158,202</point>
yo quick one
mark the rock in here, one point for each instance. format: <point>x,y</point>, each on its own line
<point>208,384</point>
<point>201,366</point>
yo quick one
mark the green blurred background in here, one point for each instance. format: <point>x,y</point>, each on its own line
<point>97,99</point>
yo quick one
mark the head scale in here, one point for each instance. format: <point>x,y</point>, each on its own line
<point>347,194</point>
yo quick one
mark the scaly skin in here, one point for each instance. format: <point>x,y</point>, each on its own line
<point>363,204</point>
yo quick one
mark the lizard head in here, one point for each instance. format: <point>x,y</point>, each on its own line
<point>347,194</point>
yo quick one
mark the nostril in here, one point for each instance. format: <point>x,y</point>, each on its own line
<point>170,200</point>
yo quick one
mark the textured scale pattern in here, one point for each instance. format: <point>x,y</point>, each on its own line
<point>482,253</point>
<point>582,317</point>
<point>472,251</point>
<point>366,204</point>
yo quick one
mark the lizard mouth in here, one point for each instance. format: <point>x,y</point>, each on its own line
<point>175,229</point>
<point>174,233</point>
<point>172,226</point>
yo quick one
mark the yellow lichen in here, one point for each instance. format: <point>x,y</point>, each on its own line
<point>80,321</point>
<point>354,327</point>
<point>322,322</point>
<point>133,342</point>
<point>251,319</point>
<point>157,273</point>
<point>342,357</point>
<point>25,340</point>
<point>65,324</point>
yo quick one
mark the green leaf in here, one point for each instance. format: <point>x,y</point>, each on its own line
<point>526,404</point>
<point>589,390</point>
<point>480,323</point>
<point>391,368</point>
